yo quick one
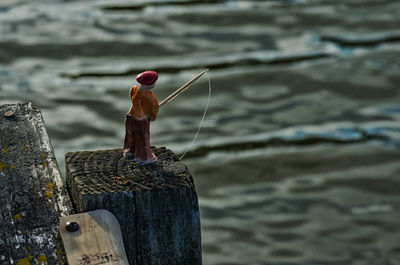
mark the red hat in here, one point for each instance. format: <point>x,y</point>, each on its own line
<point>147,78</point>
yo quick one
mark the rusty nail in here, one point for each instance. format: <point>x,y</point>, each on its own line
<point>72,226</point>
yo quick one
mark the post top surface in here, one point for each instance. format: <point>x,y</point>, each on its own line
<point>103,171</point>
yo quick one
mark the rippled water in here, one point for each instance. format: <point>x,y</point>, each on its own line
<point>298,161</point>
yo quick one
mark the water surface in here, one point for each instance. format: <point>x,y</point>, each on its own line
<point>298,160</point>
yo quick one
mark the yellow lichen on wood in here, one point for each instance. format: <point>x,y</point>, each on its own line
<point>49,190</point>
<point>59,256</point>
<point>42,260</point>
<point>27,260</point>
<point>5,152</point>
<point>3,168</point>
<point>48,194</point>
<point>24,261</point>
<point>50,186</point>
<point>58,253</point>
<point>17,217</point>
<point>43,156</point>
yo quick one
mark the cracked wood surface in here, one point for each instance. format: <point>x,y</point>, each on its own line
<point>32,194</point>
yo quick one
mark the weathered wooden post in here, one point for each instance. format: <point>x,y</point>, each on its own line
<point>32,194</point>
<point>156,204</point>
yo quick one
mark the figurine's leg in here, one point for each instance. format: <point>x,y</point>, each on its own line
<point>127,134</point>
<point>129,142</point>
<point>150,156</point>
<point>139,139</point>
<point>126,142</point>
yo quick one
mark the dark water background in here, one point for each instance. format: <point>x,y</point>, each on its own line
<point>298,161</point>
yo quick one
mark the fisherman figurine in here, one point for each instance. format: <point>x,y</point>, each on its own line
<point>137,122</point>
<point>144,109</point>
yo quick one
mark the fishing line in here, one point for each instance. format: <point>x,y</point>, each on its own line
<point>202,119</point>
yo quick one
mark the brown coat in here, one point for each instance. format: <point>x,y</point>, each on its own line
<point>144,104</point>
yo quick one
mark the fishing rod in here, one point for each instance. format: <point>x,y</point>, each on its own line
<point>182,88</point>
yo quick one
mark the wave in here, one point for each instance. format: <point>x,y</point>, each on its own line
<point>291,137</point>
<point>249,59</point>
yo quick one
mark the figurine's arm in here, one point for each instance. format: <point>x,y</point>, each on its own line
<point>150,106</point>
<point>132,91</point>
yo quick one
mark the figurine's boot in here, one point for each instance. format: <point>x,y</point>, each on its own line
<point>150,160</point>
<point>128,155</point>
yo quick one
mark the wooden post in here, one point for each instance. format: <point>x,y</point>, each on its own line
<point>156,205</point>
<point>32,194</point>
